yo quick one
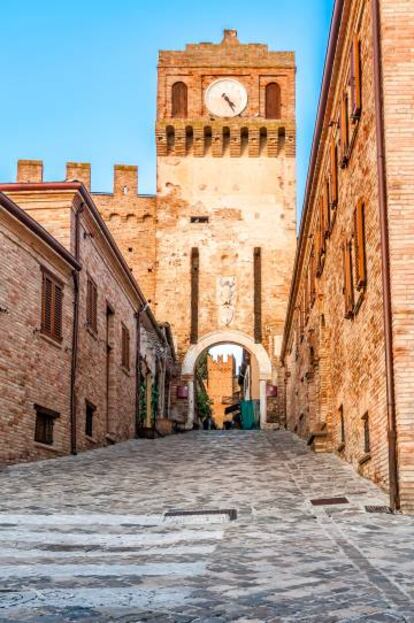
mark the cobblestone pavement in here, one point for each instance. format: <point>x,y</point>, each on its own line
<point>85,538</point>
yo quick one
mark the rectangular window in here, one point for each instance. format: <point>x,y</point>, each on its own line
<point>89,414</point>
<point>325,209</point>
<point>91,305</point>
<point>45,419</point>
<point>52,299</point>
<point>359,246</point>
<point>199,219</point>
<point>367,440</point>
<point>348,280</point>
<point>125,348</point>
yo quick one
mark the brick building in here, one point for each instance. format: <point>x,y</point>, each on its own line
<point>93,366</point>
<point>221,386</point>
<point>347,346</point>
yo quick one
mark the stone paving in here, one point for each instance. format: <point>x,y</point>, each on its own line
<point>85,538</point>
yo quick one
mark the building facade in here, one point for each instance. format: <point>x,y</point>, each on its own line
<point>347,345</point>
<point>93,364</point>
<point>221,386</point>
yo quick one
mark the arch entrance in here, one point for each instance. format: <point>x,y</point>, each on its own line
<point>226,337</point>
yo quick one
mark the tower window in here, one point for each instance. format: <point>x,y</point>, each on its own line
<point>199,219</point>
<point>179,100</point>
<point>273,101</point>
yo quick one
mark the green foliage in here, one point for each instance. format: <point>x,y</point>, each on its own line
<point>203,405</point>
<point>202,365</point>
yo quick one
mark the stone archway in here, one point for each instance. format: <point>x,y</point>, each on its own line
<point>226,336</point>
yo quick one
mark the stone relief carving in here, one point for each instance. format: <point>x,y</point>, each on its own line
<point>226,299</point>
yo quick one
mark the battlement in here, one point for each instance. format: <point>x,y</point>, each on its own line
<point>230,52</point>
<point>125,176</point>
<point>239,138</point>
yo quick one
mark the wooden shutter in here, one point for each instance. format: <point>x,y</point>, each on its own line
<point>52,308</point>
<point>57,315</point>
<point>195,276</point>
<point>312,277</point>
<point>356,86</point>
<point>47,295</point>
<point>325,209</point>
<point>179,97</point>
<point>273,103</point>
<point>344,131</point>
<point>359,242</point>
<point>257,294</point>
<point>318,247</point>
<point>125,347</point>
<point>333,174</point>
<point>91,304</point>
<point>348,280</point>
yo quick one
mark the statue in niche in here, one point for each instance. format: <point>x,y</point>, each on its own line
<point>226,299</point>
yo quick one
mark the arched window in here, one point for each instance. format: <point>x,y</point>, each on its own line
<point>179,100</point>
<point>273,104</point>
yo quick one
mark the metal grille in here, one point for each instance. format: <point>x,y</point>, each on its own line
<point>379,509</point>
<point>201,515</point>
<point>329,501</point>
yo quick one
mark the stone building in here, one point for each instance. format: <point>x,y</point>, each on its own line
<point>347,349</point>
<point>89,344</point>
<point>221,386</point>
<point>226,188</point>
<point>214,248</point>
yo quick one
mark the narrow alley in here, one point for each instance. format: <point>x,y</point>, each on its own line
<point>87,538</point>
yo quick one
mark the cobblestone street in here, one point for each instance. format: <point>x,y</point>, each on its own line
<point>85,538</point>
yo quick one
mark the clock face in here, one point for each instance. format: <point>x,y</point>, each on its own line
<point>226,97</point>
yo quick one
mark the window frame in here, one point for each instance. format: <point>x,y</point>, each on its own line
<point>47,427</point>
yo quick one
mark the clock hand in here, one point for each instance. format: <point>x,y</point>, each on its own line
<point>228,100</point>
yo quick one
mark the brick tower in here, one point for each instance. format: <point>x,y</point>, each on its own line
<point>226,192</point>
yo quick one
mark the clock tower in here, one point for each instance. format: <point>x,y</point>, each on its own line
<point>226,202</point>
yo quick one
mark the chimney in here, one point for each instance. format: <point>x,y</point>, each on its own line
<point>79,172</point>
<point>230,36</point>
<point>29,171</point>
<point>125,179</point>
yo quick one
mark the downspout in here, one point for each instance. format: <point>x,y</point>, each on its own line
<point>75,332</point>
<point>138,314</point>
<point>385,258</point>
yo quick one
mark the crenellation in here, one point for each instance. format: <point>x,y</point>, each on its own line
<point>79,172</point>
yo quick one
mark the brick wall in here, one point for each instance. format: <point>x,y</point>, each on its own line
<point>220,385</point>
<point>335,365</point>
<point>34,369</point>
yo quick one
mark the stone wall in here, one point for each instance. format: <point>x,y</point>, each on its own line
<point>225,196</point>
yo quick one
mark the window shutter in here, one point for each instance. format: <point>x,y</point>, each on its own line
<point>125,347</point>
<point>318,246</point>
<point>333,174</point>
<point>348,282</point>
<point>359,241</point>
<point>312,277</point>
<point>356,78</point>
<point>94,307</point>
<point>325,209</point>
<point>47,305</point>
<point>57,316</point>
<point>344,131</point>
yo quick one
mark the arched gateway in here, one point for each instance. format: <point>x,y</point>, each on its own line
<point>226,337</point>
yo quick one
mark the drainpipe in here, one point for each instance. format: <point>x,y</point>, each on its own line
<point>138,315</point>
<point>385,258</point>
<point>75,332</point>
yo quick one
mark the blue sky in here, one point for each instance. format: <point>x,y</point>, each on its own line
<point>79,78</point>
